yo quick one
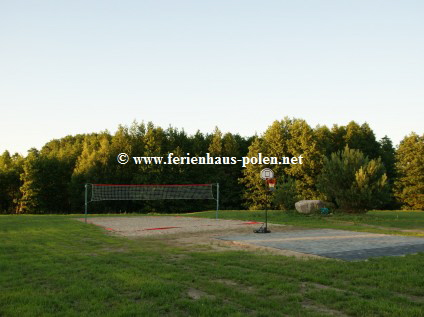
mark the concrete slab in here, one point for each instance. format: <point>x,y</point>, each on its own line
<point>339,244</point>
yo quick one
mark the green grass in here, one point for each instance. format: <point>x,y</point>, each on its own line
<point>56,266</point>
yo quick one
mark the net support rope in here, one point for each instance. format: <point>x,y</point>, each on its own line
<point>100,192</point>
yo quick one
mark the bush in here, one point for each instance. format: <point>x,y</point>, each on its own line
<point>354,182</point>
<point>286,195</point>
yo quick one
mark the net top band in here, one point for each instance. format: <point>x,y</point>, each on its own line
<point>156,185</point>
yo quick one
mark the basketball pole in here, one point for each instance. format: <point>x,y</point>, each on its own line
<point>266,214</point>
<point>266,220</point>
<point>217,201</point>
<point>267,175</point>
<point>86,202</point>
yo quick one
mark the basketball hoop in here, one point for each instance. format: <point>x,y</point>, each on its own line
<point>267,173</point>
<point>271,183</point>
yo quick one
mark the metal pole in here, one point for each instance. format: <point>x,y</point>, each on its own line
<point>217,200</point>
<point>266,211</point>
<point>86,202</point>
<point>267,205</point>
<point>266,220</point>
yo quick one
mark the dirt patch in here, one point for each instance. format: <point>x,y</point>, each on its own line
<point>412,298</point>
<point>310,305</point>
<point>306,286</point>
<point>198,294</point>
<point>241,287</point>
<point>227,282</point>
<point>115,250</point>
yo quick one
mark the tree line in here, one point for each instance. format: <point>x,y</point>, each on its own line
<point>345,165</point>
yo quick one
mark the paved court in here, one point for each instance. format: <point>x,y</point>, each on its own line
<point>339,244</point>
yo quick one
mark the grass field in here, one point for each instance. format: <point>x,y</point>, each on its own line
<point>56,266</point>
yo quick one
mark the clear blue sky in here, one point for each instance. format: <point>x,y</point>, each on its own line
<point>69,67</point>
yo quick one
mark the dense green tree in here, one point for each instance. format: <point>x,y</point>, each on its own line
<point>91,166</point>
<point>222,148</point>
<point>231,189</point>
<point>409,186</point>
<point>153,141</point>
<point>353,181</point>
<point>177,142</point>
<point>361,137</point>
<point>65,152</point>
<point>387,154</point>
<point>44,188</point>
<point>302,142</point>
<point>52,179</point>
<point>338,139</point>
<point>94,158</point>
<point>255,192</point>
<point>125,140</point>
<point>31,200</point>
<point>285,138</point>
<point>324,137</point>
<point>215,148</point>
<point>199,144</point>
<point>66,149</point>
<point>11,168</point>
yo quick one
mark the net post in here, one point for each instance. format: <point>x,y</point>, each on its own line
<point>217,200</point>
<point>86,202</point>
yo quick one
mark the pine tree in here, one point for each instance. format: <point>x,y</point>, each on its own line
<point>353,181</point>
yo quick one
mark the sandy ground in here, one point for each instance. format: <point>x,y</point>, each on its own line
<point>196,234</point>
<point>147,226</point>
